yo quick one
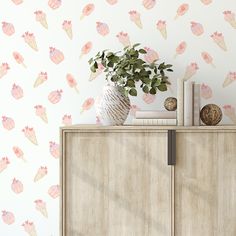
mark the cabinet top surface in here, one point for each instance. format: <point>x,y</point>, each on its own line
<point>148,128</point>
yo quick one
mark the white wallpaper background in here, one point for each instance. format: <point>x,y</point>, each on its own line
<point>45,82</point>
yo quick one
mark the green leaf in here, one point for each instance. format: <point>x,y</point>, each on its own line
<point>132,52</point>
<point>98,54</point>
<point>161,66</point>
<point>133,92</point>
<point>130,83</point>
<point>168,66</point>
<point>115,59</point>
<point>109,54</point>
<point>146,80</point>
<point>153,91</point>
<point>162,87</point>
<point>142,51</point>
<point>104,63</point>
<point>93,69</point>
<point>136,45</point>
<point>114,78</point>
<point>170,70</point>
<point>90,60</point>
<point>110,64</point>
<point>126,92</point>
<point>95,65</point>
<point>162,73</point>
<point>145,89</point>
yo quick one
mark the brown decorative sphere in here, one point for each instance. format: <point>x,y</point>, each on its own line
<point>211,114</point>
<point>170,104</point>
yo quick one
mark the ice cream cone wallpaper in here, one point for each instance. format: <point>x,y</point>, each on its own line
<point>46,82</point>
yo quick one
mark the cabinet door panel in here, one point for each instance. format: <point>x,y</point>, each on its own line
<point>117,184</point>
<point>205,184</point>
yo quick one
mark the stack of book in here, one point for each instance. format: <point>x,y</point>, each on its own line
<point>191,103</point>
<point>155,118</point>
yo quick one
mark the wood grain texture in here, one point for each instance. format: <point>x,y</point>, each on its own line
<point>205,184</point>
<point>116,184</point>
<point>127,128</point>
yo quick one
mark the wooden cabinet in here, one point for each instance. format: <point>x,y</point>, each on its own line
<point>116,182</point>
<point>205,184</point>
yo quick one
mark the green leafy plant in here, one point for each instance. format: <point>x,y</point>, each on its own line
<point>126,69</point>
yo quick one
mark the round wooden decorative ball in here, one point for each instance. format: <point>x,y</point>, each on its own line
<point>211,114</point>
<point>170,104</point>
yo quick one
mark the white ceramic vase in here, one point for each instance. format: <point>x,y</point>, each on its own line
<point>112,107</point>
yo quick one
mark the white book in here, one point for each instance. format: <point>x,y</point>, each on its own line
<point>154,122</point>
<point>155,114</point>
<point>180,102</point>
<point>188,103</point>
<point>196,105</point>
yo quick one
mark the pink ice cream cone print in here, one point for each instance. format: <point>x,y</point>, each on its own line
<point>94,75</point>
<point>206,91</point>
<point>29,38</point>
<point>67,27</point>
<point>149,4</point>
<point>67,120</point>
<point>180,49</point>
<point>8,28</point>
<point>30,135</point>
<point>206,2</point>
<point>102,28</point>
<point>148,98</point>
<point>41,17</point>
<point>190,71</point>
<point>230,18</point>
<point>8,123</point>
<point>19,153</point>
<point>218,38</point>
<point>40,205</point>
<point>29,228</point>
<point>17,186</point>
<point>86,49</point>
<point>123,39</point>
<point>56,55</point>
<point>135,17</point>
<point>161,26</point>
<point>54,4</point>
<point>133,110</point>
<point>183,8</point>
<point>88,103</point>
<point>42,77</point>
<point>55,96</point>
<point>229,111</point>
<point>19,59</point>
<point>230,78</point>
<point>4,69</point>
<point>54,191</point>
<point>87,10</point>
<point>17,2</point>
<point>72,82</point>
<point>40,111</point>
<point>151,55</point>
<point>112,2</point>
<point>17,92</point>
<point>197,28</point>
<point>54,149</point>
<point>42,171</point>
<point>4,162</point>
<point>207,58</point>
<point>8,217</point>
